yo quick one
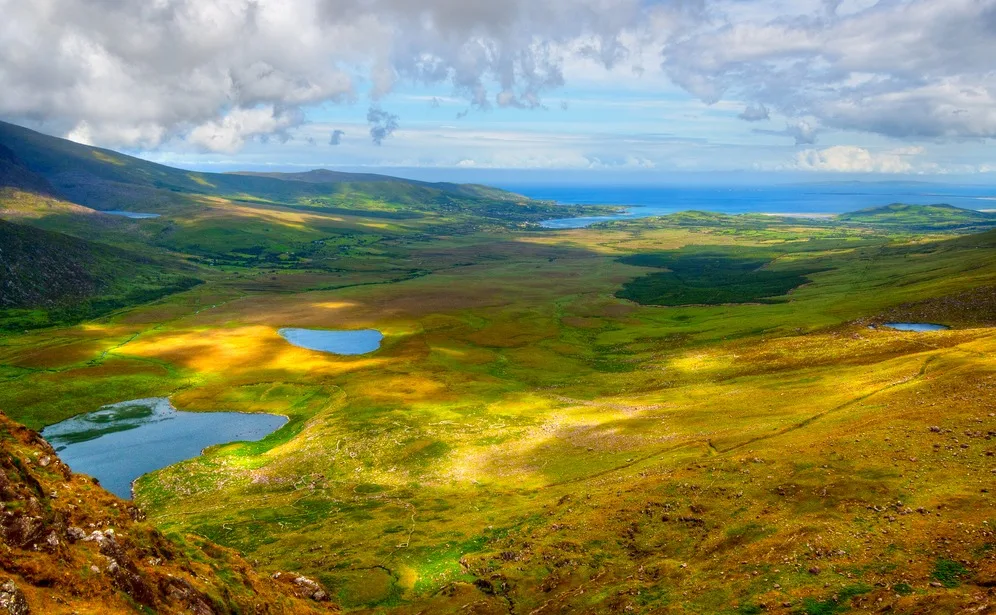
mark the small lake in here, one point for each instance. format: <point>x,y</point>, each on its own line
<point>336,342</point>
<point>119,443</point>
<point>917,327</point>
<point>134,215</point>
<point>582,222</point>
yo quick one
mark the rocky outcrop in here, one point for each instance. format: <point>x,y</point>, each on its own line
<point>66,545</point>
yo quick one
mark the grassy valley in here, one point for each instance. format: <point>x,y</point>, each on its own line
<point>687,414</point>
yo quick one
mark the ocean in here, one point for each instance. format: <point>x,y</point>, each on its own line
<point>808,199</point>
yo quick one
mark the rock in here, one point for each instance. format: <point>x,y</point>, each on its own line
<point>306,582</point>
<point>75,534</point>
<point>935,429</point>
<point>312,589</point>
<point>815,570</point>
<point>6,487</point>
<point>936,584</point>
<point>22,530</point>
<point>12,601</point>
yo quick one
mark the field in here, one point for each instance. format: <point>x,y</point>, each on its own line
<point>690,414</point>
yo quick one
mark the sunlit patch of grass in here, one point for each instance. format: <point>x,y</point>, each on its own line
<point>335,305</point>
<point>104,157</point>
<point>199,179</point>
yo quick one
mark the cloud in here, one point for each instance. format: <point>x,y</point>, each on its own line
<point>141,73</point>
<point>851,159</point>
<point>801,131</point>
<point>755,113</point>
<point>223,73</point>
<point>337,136</point>
<point>900,68</point>
<point>382,124</point>
<point>231,132</point>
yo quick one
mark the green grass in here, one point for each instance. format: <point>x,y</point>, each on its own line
<point>711,276</point>
<point>840,602</point>
<point>949,573</point>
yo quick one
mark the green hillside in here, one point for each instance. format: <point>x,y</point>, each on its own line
<point>49,278</point>
<point>13,174</point>
<point>107,180</point>
<point>920,218</point>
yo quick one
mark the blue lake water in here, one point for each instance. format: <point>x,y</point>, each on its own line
<point>134,215</point>
<point>119,443</point>
<point>918,327</point>
<point>829,198</point>
<point>337,342</point>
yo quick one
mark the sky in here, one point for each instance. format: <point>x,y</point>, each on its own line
<point>540,88</point>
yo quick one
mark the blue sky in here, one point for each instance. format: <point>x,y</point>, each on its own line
<point>543,88</point>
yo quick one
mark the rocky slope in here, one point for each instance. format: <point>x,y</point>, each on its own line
<point>68,546</point>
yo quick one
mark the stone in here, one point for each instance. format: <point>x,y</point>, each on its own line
<point>12,600</point>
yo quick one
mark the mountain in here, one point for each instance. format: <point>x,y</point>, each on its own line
<point>68,545</point>
<point>105,179</point>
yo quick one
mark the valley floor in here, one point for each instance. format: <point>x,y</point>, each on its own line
<point>527,442</point>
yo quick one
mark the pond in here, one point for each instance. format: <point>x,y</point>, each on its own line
<point>119,443</point>
<point>336,342</point>
<point>134,215</point>
<point>918,327</point>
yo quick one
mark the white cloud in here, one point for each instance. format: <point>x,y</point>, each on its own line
<point>852,159</point>
<point>142,73</point>
<point>138,73</point>
<point>230,133</point>
<point>755,113</point>
<point>901,68</point>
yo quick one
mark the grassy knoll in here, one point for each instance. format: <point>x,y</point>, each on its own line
<point>930,218</point>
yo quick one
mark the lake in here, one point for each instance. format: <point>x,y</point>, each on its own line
<point>119,443</point>
<point>134,215</point>
<point>336,342</point>
<point>918,327</point>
